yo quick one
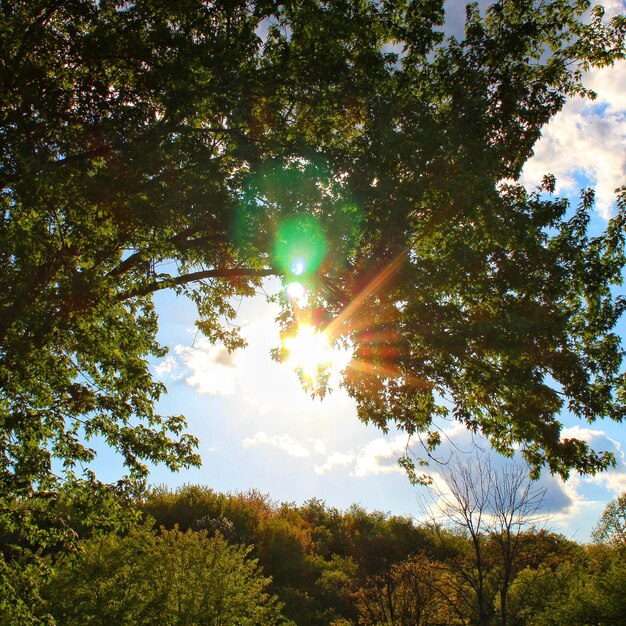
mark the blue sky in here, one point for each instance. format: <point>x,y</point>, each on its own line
<point>257,427</point>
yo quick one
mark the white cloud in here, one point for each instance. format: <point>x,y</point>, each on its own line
<point>571,506</point>
<point>460,444</point>
<point>285,443</point>
<point>319,447</point>
<point>560,497</point>
<point>610,85</point>
<point>587,138</point>
<point>210,369</point>
<point>166,367</point>
<point>380,456</point>
<point>614,479</point>
<point>336,459</point>
<point>613,7</point>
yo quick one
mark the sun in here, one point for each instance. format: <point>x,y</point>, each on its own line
<point>309,351</point>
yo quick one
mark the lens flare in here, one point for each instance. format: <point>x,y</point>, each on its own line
<point>296,292</point>
<point>298,267</point>
<point>300,245</point>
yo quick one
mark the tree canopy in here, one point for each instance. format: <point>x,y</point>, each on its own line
<point>611,527</point>
<point>201,147</point>
<point>169,578</point>
<point>331,567</point>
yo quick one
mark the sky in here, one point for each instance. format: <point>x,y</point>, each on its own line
<point>259,430</point>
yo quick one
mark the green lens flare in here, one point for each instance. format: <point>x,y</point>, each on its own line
<point>300,246</point>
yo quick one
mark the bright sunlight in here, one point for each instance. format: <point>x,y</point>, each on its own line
<point>309,351</point>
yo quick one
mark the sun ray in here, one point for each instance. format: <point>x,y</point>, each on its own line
<point>385,371</point>
<point>310,350</point>
<point>333,329</point>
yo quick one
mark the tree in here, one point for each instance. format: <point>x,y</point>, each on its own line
<point>51,522</point>
<point>202,146</point>
<point>611,527</point>
<point>407,595</point>
<point>316,556</point>
<point>588,589</point>
<point>514,509</point>
<point>486,513</point>
<point>170,578</point>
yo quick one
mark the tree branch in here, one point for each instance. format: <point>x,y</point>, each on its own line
<point>73,158</point>
<point>168,283</point>
<point>178,241</point>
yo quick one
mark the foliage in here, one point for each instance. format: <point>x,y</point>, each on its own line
<point>169,578</point>
<point>355,565</point>
<point>327,581</point>
<point>407,595</point>
<point>611,527</point>
<point>180,145</point>
<point>49,523</point>
<point>338,581</point>
<point>317,556</point>
<point>135,134</point>
<point>469,297</point>
<point>20,601</point>
<point>588,589</point>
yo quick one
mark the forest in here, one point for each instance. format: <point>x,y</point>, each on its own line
<point>362,150</point>
<point>195,556</point>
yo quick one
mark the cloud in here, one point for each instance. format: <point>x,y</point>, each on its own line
<point>207,368</point>
<point>610,85</point>
<point>380,456</point>
<point>614,479</point>
<point>459,444</point>
<point>559,497</point>
<point>612,7</point>
<point>166,367</point>
<point>588,138</point>
<point>319,447</point>
<point>549,497</point>
<point>285,443</point>
<point>571,505</point>
<point>333,460</point>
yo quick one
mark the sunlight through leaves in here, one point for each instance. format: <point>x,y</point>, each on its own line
<point>308,351</point>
